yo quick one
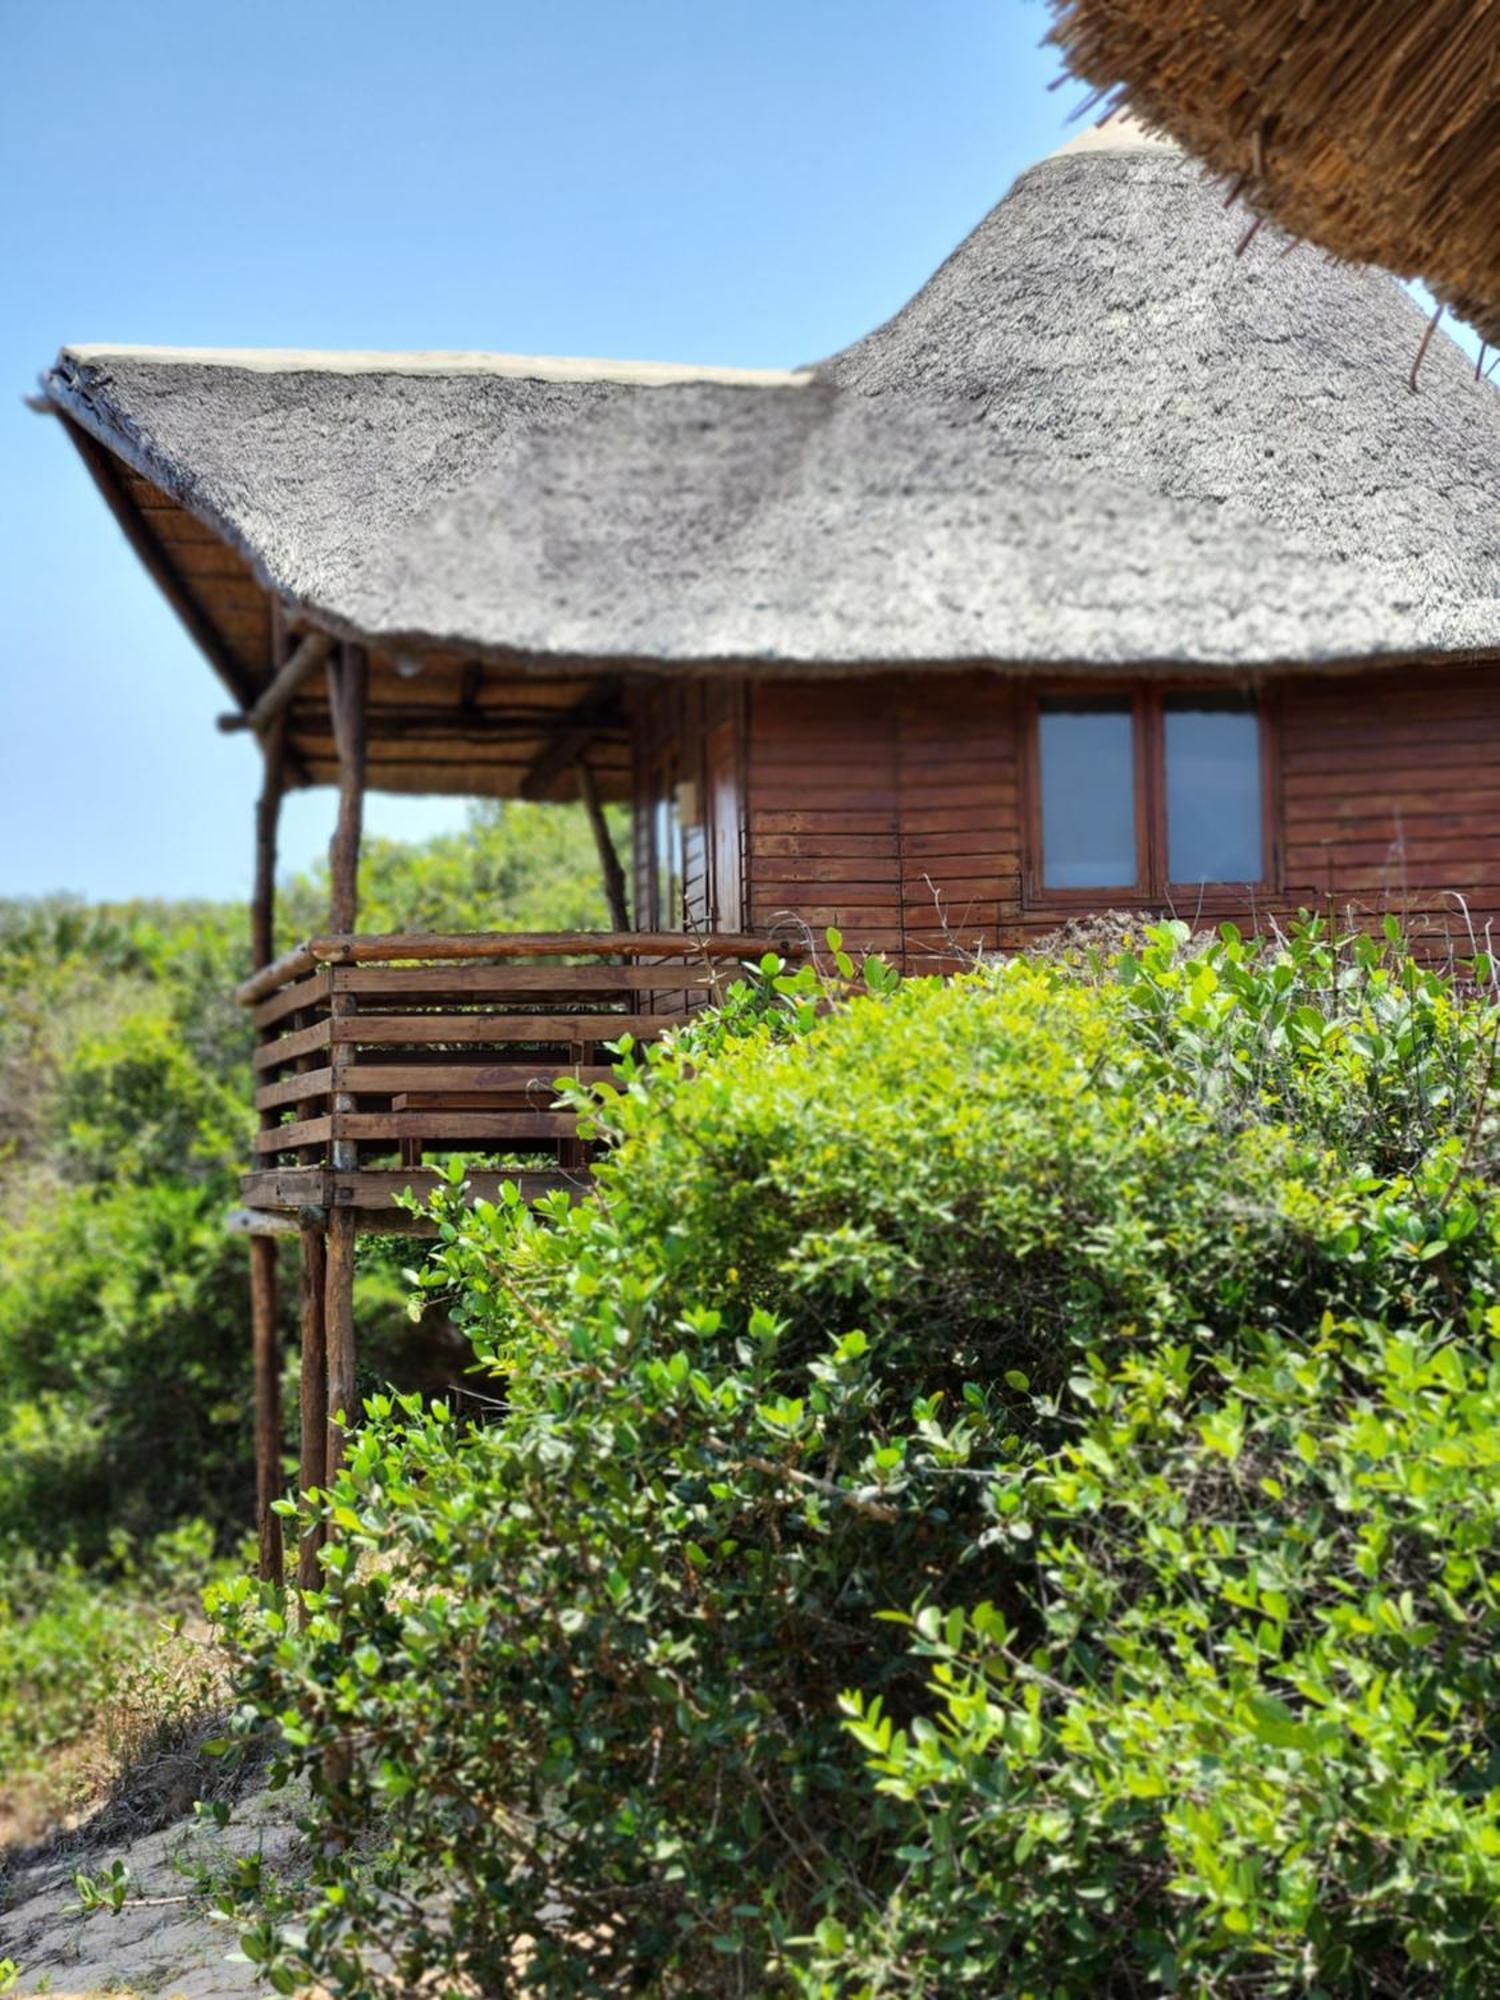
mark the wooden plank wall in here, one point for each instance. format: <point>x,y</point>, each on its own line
<point>824,840</point>
<point>1391,793</point>
<point>672,721</point>
<point>893,808</point>
<point>889,809</point>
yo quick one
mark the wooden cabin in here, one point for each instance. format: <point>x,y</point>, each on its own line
<point>1117,571</point>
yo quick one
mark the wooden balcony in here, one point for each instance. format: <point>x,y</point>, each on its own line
<point>378,1057</point>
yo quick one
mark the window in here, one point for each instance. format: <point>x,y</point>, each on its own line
<point>1088,795</point>
<point>666,854</point>
<point>1147,791</point>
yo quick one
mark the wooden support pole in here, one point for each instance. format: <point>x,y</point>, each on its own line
<point>609,860</point>
<point>314,1396</point>
<point>265,1291</point>
<point>339,1321</point>
<point>267,821</point>
<point>348,686</point>
<point>266,1348</point>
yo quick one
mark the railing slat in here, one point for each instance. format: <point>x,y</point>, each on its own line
<point>459,982</point>
<point>460,1073</point>
<point>418,1030</point>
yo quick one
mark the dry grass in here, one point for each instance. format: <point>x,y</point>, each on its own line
<point>138,1763</point>
<point>1373,131</point>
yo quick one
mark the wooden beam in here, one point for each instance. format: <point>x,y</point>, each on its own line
<point>575,730</point>
<point>259,1222</point>
<point>348,690</point>
<point>609,860</point>
<point>107,475</point>
<point>295,671</point>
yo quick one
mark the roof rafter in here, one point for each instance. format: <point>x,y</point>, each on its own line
<point>108,477</point>
<point>576,729</point>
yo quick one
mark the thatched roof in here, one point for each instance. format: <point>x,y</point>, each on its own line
<point>1372,130</point>
<point>1093,440</point>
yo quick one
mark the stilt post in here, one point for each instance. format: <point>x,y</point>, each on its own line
<point>265,1316</point>
<point>348,688</point>
<point>265,1295</point>
<point>339,1294</point>
<point>267,821</point>
<point>313,1396</point>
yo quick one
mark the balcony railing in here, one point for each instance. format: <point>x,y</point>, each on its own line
<point>376,1055</point>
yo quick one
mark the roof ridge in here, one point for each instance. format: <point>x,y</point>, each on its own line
<point>1118,132</point>
<point>436,361</point>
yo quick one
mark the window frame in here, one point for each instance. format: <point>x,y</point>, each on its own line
<point>663,800</point>
<point>1147,701</point>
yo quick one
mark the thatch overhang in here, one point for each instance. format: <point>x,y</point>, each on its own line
<point>1094,442</point>
<point>1371,130</point>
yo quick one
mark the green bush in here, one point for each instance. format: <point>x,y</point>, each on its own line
<point>133,1103</point>
<point>517,866</point>
<point>124,1402</point>
<point>125,1076</point>
<point>992,1494</point>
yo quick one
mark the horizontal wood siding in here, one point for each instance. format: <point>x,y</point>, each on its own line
<point>960,818</point>
<point>824,845</point>
<point>1391,795</point>
<point>894,807</point>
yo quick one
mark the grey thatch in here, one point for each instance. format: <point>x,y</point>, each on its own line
<point>1094,439</point>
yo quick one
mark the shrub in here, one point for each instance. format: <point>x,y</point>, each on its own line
<point>1060,1309</point>
<point>134,1104</point>
<point>1236,1733</point>
<point>123,1399</point>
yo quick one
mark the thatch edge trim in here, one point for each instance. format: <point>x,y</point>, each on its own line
<point>374,361</point>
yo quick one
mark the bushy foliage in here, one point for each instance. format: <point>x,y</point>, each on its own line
<point>123,1396</point>
<point>992,1494</point>
<point>124,1071</point>
<point>516,866</point>
<point>122,1354</point>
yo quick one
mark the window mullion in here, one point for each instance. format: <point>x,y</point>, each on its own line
<point>1150,791</point>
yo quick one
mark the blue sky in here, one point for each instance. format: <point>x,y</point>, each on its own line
<point>698,180</point>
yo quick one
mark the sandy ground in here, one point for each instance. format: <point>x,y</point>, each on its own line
<point>165,1941</point>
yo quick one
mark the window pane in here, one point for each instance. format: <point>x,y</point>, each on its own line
<point>1088,795</point>
<point>1213,790</point>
